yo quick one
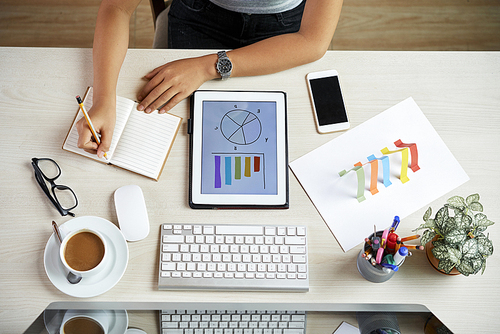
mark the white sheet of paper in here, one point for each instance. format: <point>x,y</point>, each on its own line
<point>335,198</point>
<point>345,328</point>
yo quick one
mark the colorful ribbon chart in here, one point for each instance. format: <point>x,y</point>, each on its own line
<point>373,161</point>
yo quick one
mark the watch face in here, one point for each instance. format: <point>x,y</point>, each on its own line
<point>224,65</point>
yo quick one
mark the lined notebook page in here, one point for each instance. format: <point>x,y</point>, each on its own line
<point>123,109</point>
<point>145,142</point>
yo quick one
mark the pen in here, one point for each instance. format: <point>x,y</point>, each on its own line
<point>395,223</point>
<point>89,122</point>
<point>390,266</point>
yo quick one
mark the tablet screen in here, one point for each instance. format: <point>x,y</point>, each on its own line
<point>239,148</point>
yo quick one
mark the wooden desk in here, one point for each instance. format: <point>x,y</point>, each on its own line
<point>459,92</point>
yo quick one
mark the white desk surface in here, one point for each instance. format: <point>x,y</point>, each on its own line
<point>459,92</point>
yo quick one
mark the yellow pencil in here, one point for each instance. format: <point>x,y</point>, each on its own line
<point>413,237</point>
<point>89,122</point>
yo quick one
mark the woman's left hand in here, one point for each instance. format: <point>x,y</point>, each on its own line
<point>174,81</point>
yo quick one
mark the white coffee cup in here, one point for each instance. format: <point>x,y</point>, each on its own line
<point>84,252</point>
<point>78,319</point>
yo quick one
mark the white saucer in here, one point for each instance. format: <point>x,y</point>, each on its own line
<point>101,282</point>
<point>118,320</point>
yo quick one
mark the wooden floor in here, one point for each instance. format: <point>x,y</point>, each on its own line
<point>364,24</point>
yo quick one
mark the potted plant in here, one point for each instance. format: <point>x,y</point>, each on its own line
<point>458,240</point>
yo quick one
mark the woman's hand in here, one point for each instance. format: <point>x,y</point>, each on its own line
<point>174,81</point>
<point>103,118</point>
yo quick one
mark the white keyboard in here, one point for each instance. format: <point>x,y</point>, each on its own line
<point>232,322</point>
<point>233,257</point>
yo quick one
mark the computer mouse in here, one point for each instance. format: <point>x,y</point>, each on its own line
<point>131,212</point>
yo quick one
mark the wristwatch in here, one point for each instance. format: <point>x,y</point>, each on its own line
<point>224,65</point>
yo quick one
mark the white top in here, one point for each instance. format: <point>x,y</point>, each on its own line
<point>257,6</point>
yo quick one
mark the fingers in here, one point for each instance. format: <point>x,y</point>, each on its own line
<point>153,72</point>
<point>106,137</point>
<point>154,81</point>
<point>160,94</point>
<point>85,139</point>
<point>103,120</point>
<point>172,82</point>
<point>173,102</point>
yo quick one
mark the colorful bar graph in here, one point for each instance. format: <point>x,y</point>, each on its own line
<point>234,166</point>
<point>373,161</point>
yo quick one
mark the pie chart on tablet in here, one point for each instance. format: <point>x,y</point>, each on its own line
<point>241,127</point>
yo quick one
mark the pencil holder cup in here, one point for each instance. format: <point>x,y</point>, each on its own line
<point>373,273</point>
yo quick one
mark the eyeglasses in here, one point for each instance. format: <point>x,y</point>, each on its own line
<point>63,198</point>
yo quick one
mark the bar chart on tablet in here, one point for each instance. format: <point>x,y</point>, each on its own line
<point>230,168</point>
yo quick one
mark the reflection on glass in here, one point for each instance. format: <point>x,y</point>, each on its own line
<point>236,320</point>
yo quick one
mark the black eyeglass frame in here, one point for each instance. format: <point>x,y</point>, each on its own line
<point>40,176</point>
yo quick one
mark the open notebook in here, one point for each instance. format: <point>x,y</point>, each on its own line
<point>141,142</point>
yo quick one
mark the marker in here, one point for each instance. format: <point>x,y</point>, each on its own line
<point>390,266</point>
<point>380,254</point>
<point>400,256</point>
<point>384,238</point>
<point>395,223</point>
<point>89,122</point>
<point>391,243</point>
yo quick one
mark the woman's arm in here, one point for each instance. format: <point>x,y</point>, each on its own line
<point>110,47</point>
<point>282,52</point>
<point>175,81</point>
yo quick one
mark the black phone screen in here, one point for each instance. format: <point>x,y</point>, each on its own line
<point>328,100</point>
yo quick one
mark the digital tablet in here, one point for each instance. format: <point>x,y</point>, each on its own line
<point>238,150</point>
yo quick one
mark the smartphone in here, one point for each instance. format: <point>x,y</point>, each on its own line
<point>328,105</point>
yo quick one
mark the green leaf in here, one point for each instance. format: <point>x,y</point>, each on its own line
<point>439,242</point>
<point>441,252</point>
<point>427,236</point>
<point>430,223</point>
<point>465,267</point>
<point>427,214</point>
<point>476,206</point>
<point>454,255</point>
<point>472,198</point>
<point>480,219</point>
<point>441,216</point>
<point>456,237</point>
<point>446,265</point>
<point>470,249</point>
<point>484,247</point>
<point>466,221</point>
<point>470,266</point>
<point>457,202</point>
<point>448,226</point>
<point>477,264</point>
